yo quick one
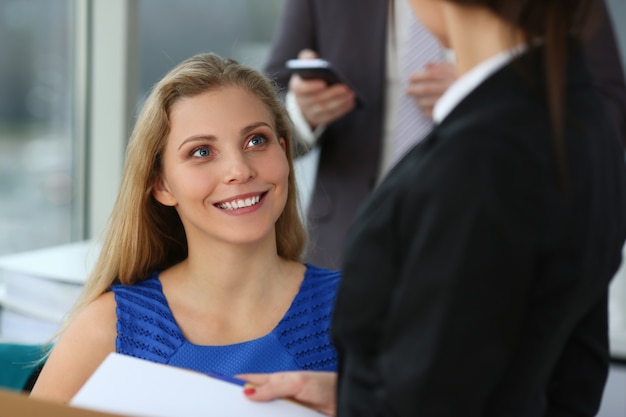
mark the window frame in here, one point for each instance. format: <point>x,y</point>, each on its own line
<point>112,88</point>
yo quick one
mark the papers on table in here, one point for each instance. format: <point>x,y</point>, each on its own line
<point>37,289</point>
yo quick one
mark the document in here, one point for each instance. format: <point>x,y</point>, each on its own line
<point>39,287</point>
<point>139,388</point>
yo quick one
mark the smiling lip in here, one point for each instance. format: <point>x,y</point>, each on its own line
<point>240,202</point>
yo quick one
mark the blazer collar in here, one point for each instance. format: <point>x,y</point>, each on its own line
<point>522,77</point>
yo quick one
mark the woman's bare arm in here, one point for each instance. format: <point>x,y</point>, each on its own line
<point>81,348</point>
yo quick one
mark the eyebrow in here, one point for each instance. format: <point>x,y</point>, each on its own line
<point>253,126</point>
<point>212,138</point>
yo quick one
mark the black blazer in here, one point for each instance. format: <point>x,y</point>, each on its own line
<point>473,285</point>
<point>606,65</point>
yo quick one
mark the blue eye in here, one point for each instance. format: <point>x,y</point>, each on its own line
<point>256,140</point>
<point>201,152</point>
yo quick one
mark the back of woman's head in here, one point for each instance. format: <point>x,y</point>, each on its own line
<point>552,22</point>
<point>536,18</point>
<point>144,235</point>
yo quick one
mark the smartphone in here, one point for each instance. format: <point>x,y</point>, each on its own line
<point>310,69</point>
<point>319,69</point>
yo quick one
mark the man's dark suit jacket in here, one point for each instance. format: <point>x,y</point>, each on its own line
<point>352,35</point>
<point>474,282</point>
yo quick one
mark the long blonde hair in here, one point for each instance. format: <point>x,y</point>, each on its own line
<point>143,235</point>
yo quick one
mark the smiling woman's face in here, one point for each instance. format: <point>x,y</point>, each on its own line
<point>224,168</point>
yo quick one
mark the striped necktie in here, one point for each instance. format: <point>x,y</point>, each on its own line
<point>412,126</point>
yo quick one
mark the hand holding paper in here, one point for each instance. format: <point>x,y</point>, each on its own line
<point>135,387</point>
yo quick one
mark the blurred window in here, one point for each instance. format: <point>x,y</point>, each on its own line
<point>38,192</point>
<point>171,31</point>
<point>43,97</point>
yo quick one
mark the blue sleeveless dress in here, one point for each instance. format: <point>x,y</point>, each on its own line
<point>146,329</point>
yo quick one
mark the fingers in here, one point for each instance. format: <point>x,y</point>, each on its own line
<point>327,108</point>
<point>442,71</point>
<point>426,104</point>
<point>426,93</point>
<point>254,379</point>
<point>265,387</point>
<point>321,104</point>
<point>307,54</point>
<point>313,389</point>
<point>429,84</point>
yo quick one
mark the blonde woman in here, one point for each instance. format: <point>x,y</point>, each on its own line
<point>200,266</point>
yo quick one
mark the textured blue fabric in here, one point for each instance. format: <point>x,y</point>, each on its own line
<point>146,329</point>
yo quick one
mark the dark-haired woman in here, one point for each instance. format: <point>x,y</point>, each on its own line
<point>481,289</point>
<point>475,279</point>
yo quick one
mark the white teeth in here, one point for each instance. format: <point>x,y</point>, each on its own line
<point>235,204</point>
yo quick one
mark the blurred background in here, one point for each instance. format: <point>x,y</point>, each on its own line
<point>73,74</point>
<point>56,182</point>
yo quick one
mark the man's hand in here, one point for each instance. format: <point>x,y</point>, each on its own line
<point>428,85</point>
<point>319,103</point>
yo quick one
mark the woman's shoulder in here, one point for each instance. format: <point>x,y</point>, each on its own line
<point>304,328</point>
<point>149,287</point>
<point>319,282</point>
<point>143,298</point>
<point>316,276</point>
<point>151,281</point>
<point>100,312</point>
<point>319,272</point>
<point>92,328</point>
<point>84,344</point>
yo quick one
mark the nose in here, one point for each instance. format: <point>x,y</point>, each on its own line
<point>239,168</point>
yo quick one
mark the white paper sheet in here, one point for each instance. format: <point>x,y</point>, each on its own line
<point>135,387</point>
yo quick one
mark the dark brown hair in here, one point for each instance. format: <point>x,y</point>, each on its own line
<point>552,21</point>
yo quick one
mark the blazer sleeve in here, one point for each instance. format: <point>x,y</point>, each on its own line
<point>577,383</point>
<point>294,32</point>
